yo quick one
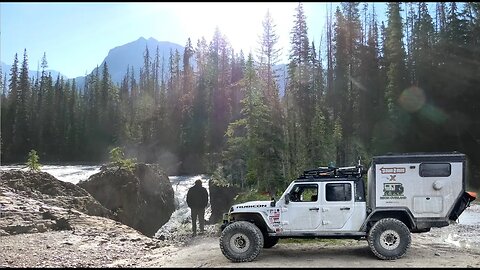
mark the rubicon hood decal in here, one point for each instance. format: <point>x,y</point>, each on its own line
<point>254,204</point>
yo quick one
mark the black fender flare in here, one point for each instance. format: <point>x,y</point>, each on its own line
<point>401,214</point>
<point>253,217</point>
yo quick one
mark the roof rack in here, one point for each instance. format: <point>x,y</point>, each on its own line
<point>333,172</point>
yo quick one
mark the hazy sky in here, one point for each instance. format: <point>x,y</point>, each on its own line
<point>78,36</point>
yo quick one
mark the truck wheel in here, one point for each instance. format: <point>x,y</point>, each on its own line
<point>241,241</point>
<point>389,239</point>
<point>269,241</point>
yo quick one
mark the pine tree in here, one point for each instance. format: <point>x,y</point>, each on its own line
<point>186,102</point>
<point>236,95</point>
<point>298,96</point>
<point>146,74</point>
<point>219,105</point>
<point>160,121</point>
<point>351,148</point>
<point>59,118</point>
<point>422,46</point>
<point>3,112</point>
<point>239,151</point>
<point>41,105</point>
<point>174,103</point>
<point>72,136</point>
<point>396,74</point>
<point>268,56</point>
<point>410,19</point>
<point>22,142</point>
<point>33,161</point>
<point>9,125</point>
<point>199,121</point>
<point>330,93</point>
<point>156,71</point>
<point>340,88</point>
<point>271,135</point>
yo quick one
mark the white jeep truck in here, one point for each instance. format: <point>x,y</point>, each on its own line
<point>406,193</point>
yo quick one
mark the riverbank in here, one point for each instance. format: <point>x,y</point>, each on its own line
<point>90,241</point>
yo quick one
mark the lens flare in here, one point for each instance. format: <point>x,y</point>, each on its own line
<point>412,99</point>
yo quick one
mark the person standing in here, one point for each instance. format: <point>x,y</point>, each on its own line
<point>197,200</point>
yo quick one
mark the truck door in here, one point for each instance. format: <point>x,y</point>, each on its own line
<point>337,205</point>
<point>303,211</point>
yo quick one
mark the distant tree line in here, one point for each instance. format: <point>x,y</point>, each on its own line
<point>410,84</point>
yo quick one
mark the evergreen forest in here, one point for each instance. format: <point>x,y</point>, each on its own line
<point>407,84</point>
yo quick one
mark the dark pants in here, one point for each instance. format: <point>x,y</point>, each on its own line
<point>200,212</point>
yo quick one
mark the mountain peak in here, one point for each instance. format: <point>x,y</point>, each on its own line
<point>130,55</point>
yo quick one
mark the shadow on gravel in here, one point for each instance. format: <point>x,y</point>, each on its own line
<point>306,253</point>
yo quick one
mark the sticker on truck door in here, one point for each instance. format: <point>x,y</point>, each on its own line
<point>274,217</point>
<point>393,191</point>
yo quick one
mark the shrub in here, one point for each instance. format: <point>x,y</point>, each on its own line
<point>117,158</point>
<point>33,161</point>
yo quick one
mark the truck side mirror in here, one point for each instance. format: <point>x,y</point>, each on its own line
<point>273,202</point>
<point>287,198</point>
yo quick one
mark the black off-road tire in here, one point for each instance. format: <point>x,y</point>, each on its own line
<point>269,241</point>
<point>241,241</point>
<point>389,239</point>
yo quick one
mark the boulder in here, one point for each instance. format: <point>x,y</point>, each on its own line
<point>142,199</point>
<point>32,202</point>
<point>221,199</point>
<point>45,187</point>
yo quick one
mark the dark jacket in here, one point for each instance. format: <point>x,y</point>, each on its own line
<point>197,197</point>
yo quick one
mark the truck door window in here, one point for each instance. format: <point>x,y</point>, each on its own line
<point>338,192</point>
<point>435,169</point>
<point>304,193</point>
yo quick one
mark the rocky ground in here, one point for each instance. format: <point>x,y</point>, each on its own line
<point>69,238</point>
